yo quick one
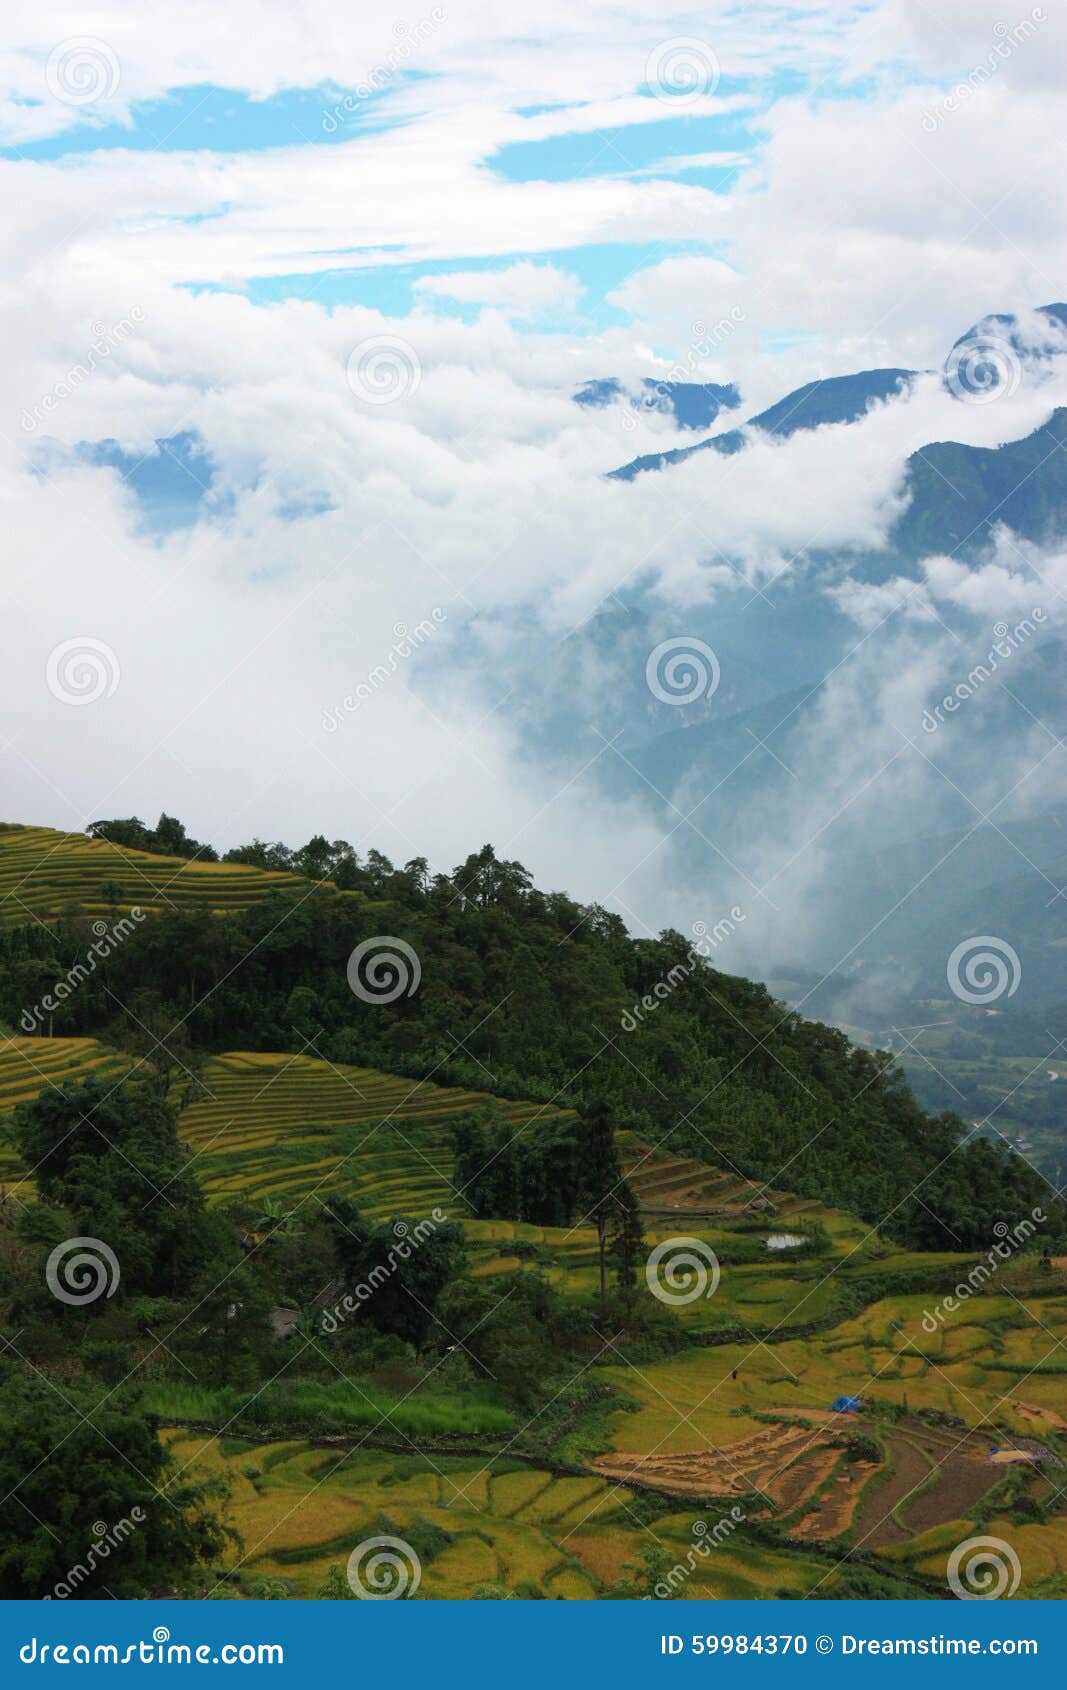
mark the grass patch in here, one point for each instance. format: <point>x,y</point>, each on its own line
<point>329,1409</point>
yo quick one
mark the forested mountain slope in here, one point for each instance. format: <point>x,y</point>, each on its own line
<point>479,979</point>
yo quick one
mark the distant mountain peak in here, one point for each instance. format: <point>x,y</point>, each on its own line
<point>1039,331</point>
<point>995,353</point>
<point>990,357</point>
<point>832,399</point>
<point>692,404</point>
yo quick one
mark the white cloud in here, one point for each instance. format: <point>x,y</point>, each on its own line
<point>525,55</point>
<point>522,290</point>
<point>854,238</point>
<point>693,161</point>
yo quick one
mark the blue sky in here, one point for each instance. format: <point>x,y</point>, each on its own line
<point>703,152</point>
<point>352,263</point>
<point>630,132</point>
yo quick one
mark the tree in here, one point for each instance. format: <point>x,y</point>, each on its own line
<point>335,1586</point>
<point>302,1011</point>
<point>110,1157</point>
<point>315,859</point>
<point>516,1330</point>
<point>274,1217</point>
<point>168,837</point>
<point>651,1575</point>
<point>162,1045</point>
<point>32,980</point>
<point>62,1476</point>
<point>396,1272</point>
<point>470,1153</point>
<point>628,1244</point>
<point>260,854</point>
<point>484,879</point>
<point>171,838</point>
<point>599,1177</point>
<point>512,1174</point>
<point>607,1200</point>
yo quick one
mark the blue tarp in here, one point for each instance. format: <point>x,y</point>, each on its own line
<point>846,1405</point>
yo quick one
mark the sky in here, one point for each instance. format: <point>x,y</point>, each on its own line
<point>352,270</point>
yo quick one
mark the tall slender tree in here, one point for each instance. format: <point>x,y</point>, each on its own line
<point>628,1244</point>
<point>605,1198</point>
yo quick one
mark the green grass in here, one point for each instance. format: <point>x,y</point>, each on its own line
<point>338,1407</point>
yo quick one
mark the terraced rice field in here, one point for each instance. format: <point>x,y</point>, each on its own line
<point>301,1510</point>
<point>672,1187</point>
<point>287,1126</point>
<point>754,1296</point>
<point>307,1508</point>
<point>695,1400</point>
<point>43,871</point>
<point>694,1431</point>
<point>28,1066</point>
<point>783,1465</point>
<point>1041,1550</point>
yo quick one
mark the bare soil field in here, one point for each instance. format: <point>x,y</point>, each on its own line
<point>784,1464</point>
